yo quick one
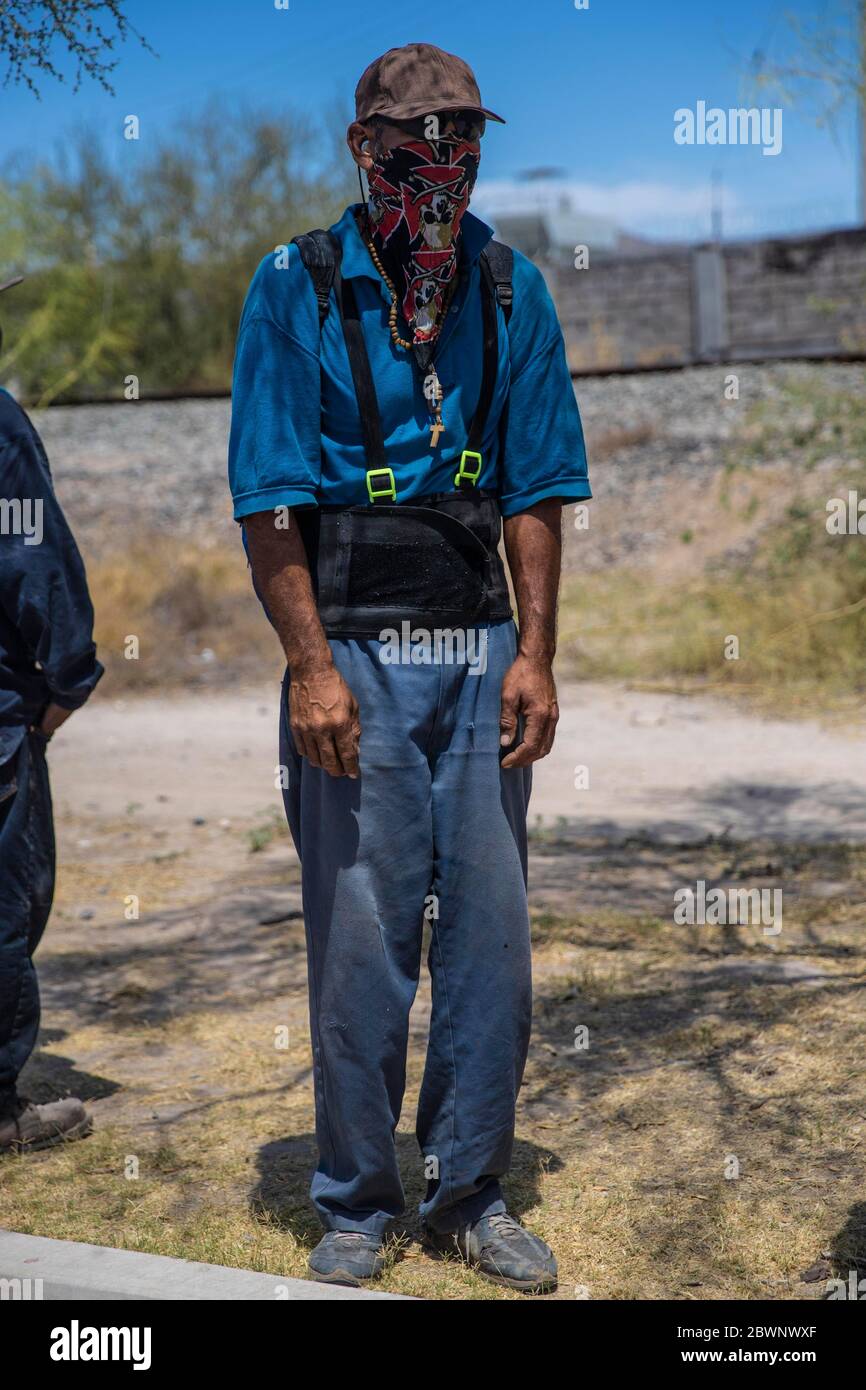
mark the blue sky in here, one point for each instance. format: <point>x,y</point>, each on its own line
<point>592,92</point>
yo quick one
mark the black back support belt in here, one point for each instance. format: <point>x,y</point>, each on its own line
<point>432,565</point>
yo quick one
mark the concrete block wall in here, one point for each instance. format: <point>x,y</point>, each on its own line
<point>782,297</point>
<point>798,296</point>
<point>626,311</point>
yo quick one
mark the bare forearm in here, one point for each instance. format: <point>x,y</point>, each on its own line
<point>282,576</point>
<point>533,544</point>
<point>323,712</point>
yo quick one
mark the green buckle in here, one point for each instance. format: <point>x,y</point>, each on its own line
<point>375,493</point>
<point>464,474</point>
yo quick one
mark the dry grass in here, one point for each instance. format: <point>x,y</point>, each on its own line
<point>695,1055</point>
<point>192,608</point>
<point>750,560</point>
<point>800,646</point>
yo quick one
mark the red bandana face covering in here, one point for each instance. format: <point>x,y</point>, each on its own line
<point>418,195</point>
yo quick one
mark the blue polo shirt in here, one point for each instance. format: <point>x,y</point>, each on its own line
<point>296,432</point>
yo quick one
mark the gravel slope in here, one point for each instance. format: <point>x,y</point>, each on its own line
<point>655,441</point>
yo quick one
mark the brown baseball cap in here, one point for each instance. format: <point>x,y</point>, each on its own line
<point>415,80</point>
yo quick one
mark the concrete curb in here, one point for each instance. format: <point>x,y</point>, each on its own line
<point>68,1270</point>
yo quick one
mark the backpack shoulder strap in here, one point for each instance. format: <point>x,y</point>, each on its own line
<point>500,263</point>
<point>320,252</point>
<point>498,271</point>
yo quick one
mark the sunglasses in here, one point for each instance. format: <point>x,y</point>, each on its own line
<point>452,125</point>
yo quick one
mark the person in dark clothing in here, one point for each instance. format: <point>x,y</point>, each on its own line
<point>48,668</point>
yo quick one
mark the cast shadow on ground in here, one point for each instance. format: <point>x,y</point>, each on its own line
<point>48,1077</point>
<point>849,1245</point>
<point>285,1167</point>
<point>253,939</point>
<point>816,813</point>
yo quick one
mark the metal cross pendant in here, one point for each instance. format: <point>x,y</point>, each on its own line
<point>435,430</point>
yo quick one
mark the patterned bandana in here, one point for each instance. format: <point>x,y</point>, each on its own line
<point>418,195</point>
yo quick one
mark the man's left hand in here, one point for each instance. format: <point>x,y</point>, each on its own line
<point>528,690</point>
<point>53,717</point>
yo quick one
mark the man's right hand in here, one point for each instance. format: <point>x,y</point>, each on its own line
<point>325,720</point>
<point>323,712</point>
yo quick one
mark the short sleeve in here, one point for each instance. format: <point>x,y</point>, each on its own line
<point>275,440</point>
<point>544,454</point>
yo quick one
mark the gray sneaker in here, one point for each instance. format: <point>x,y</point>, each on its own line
<point>347,1257</point>
<point>503,1251</point>
<point>33,1126</point>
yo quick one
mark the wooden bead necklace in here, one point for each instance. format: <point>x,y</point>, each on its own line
<point>433,392</point>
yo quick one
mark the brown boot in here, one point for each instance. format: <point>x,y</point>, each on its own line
<point>33,1126</point>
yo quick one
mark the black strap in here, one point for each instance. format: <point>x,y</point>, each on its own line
<point>499,259</point>
<point>320,253</point>
<point>490,359</point>
<point>362,376</point>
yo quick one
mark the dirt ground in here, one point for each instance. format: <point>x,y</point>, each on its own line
<point>707,1142</point>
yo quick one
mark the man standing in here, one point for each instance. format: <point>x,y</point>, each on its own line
<point>48,668</point>
<point>400,388</point>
